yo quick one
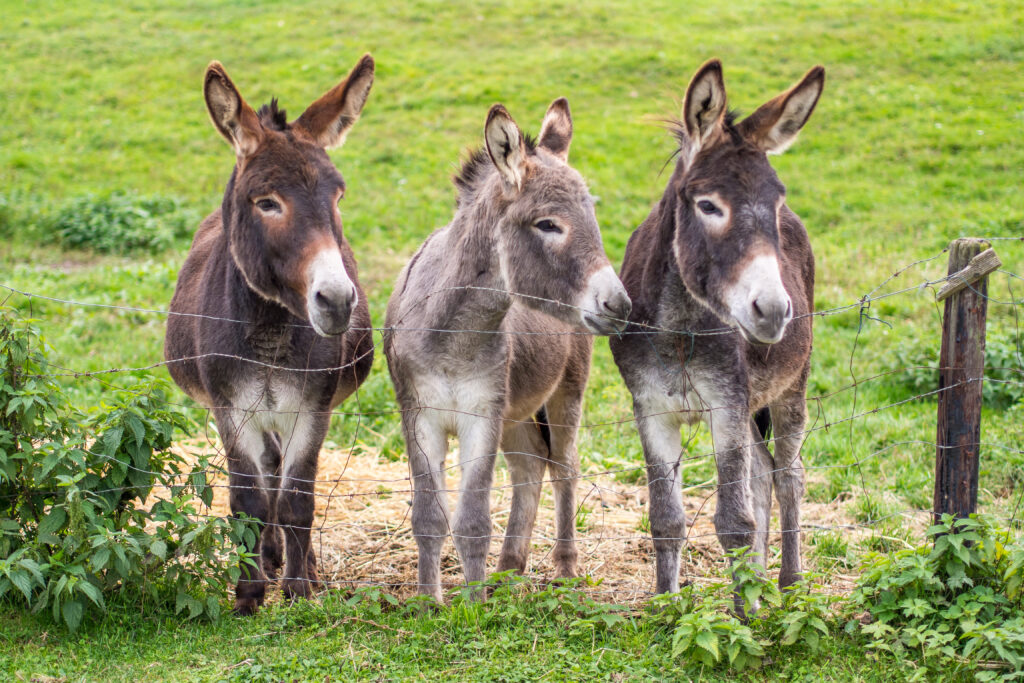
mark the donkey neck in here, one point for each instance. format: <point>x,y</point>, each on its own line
<point>664,299</point>
<point>267,326</point>
<point>467,289</point>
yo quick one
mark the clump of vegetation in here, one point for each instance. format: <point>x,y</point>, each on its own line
<point>80,518</point>
<point>703,627</point>
<point>955,603</point>
<point>918,358</point>
<point>121,223</point>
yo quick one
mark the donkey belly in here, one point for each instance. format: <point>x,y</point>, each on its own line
<point>538,360</point>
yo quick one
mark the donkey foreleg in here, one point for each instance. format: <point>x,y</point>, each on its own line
<point>788,420</point>
<point>297,501</point>
<point>659,436</point>
<point>471,525</point>
<point>526,454</point>
<point>735,522</point>
<point>272,541</point>
<point>427,443</point>
<point>762,468</point>
<point>243,442</point>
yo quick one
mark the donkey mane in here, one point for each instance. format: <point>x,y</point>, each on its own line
<point>272,117</point>
<point>478,165</point>
<point>677,127</point>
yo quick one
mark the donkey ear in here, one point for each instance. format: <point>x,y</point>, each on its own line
<point>505,144</point>
<point>775,125</point>
<point>329,119</point>
<point>556,131</point>
<point>235,119</point>
<point>704,106</point>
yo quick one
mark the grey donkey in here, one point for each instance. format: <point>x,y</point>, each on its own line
<point>489,339</point>
<point>721,276</point>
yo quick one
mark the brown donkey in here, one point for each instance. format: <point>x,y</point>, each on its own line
<point>269,327</point>
<point>489,326</point>
<point>721,276</point>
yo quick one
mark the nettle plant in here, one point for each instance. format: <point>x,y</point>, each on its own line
<point>704,628</point>
<point>956,604</point>
<point>96,505</point>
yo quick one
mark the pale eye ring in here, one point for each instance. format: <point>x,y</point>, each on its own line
<point>548,226</point>
<point>708,208</point>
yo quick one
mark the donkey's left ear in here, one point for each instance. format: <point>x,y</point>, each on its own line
<point>506,146</point>
<point>704,106</point>
<point>556,131</point>
<point>329,119</point>
<point>775,125</point>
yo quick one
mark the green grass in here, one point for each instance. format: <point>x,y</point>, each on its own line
<point>362,638</point>
<point>916,141</point>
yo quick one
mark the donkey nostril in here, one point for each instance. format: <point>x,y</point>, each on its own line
<point>757,309</point>
<point>321,300</point>
<point>789,309</point>
<point>618,308</point>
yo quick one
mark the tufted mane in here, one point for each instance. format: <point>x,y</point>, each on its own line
<point>478,164</point>
<point>273,118</point>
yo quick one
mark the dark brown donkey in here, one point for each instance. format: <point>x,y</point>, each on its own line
<point>269,328</point>
<point>721,276</point>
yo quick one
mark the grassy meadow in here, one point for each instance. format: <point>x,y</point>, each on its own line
<point>915,142</point>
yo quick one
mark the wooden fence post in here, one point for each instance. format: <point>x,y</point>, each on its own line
<point>962,369</point>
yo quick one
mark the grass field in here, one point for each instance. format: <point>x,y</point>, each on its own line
<point>916,141</point>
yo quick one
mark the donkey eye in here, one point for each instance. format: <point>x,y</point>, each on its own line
<point>708,208</point>
<point>268,205</point>
<point>547,226</point>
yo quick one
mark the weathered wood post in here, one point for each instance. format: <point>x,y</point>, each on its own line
<point>962,369</point>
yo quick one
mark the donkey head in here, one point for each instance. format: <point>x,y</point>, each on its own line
<point>549,245</point>
<point>726,239</point>
<point>280,208</point>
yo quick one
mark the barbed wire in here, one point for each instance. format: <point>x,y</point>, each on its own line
<point>597,483</point>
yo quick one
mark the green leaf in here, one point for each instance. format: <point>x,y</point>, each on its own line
<point>72,613</point>
<point>91,592</point>
<point>112,440</point>
<point>51,523</point>
<point>22,582</point>
<point>212,607</point>
<point>135,424</point>
<point>792,632</point>
<point>708,641</point>
<point>100,558</point>
<point>159,548</point>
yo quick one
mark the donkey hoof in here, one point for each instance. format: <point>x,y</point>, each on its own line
<point>565,573</point>
<point>297,589</point>
<point>788,578</point>
<point>271,566</point>
<point>246,607</point>
<point>739,607</point>
<point>315,583</point>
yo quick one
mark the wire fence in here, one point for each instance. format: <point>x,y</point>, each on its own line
<point>362,528</point>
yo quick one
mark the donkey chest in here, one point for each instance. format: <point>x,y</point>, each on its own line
<point>273,401</point>
<point>688,391</point>
<point>451,397</point>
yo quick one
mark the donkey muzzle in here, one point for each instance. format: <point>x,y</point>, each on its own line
<point>606,306</point>
<point>331,296</point>
<point>759,303</point>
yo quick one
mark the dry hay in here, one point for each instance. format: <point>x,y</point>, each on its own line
<point>362,532</point>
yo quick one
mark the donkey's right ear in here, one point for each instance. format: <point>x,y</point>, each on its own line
<point>506,146</point>
<point>235,119</point>
<point>704,107</point>
<point>556,131</point>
